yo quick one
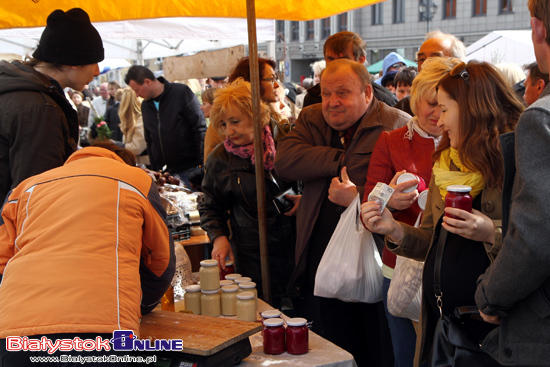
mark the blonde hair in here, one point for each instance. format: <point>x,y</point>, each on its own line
<point>513,73</point>
<point>129,111</point>
<point>235,96</point>
<point>425,83</point>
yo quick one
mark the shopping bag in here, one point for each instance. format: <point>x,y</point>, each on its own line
<point>351,268</point>
<point>405,292</point>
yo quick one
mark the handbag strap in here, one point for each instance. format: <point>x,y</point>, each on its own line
<point>437,268</point>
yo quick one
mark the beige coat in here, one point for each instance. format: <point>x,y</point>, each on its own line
<point>417,242</point>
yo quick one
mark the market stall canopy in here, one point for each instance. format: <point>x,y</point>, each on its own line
<point>377,66</point>
<point>33,13</point>
<point>503,47</point>
<point>152,38</point>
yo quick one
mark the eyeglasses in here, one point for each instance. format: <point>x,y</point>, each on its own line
<point>461,71</point>
<point>398,65</point>
<point>273,80</point>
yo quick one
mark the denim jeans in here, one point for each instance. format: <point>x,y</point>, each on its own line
<point>403,335</point>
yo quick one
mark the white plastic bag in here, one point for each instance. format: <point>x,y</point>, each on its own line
<point>182,275</point>
<point>405,292</point>
<point>351,268</point>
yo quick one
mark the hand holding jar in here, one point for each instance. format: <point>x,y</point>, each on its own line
<point>406,186</point>
<point>461,219</point>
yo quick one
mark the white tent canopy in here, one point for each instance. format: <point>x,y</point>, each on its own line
<point>151,38</point>
<point>503,47</point>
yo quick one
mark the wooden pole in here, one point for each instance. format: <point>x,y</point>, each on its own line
<point>258,147</point>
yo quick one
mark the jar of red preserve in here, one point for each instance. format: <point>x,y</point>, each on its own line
<point>458,196</point>
<point>229,269</point>
<point>297,336</point>
<point>274,336</point>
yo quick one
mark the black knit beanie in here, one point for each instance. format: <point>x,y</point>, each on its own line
<point>70,39</point>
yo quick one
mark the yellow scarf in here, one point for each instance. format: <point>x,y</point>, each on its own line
<point>444,176</point>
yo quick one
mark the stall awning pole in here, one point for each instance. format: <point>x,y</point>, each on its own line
<point>258,147</point>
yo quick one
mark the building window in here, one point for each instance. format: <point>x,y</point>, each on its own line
<point>295,29</point>
<point>343,22</point>
<point>310,27</point>
<point>450,9</point>
<point>280,26</point>
<point>377,13</point>
<point>480,8</point>
<point>398,11</point>
<point>506,6</point>
<point>326,28</point>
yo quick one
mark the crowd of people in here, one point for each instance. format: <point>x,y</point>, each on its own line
<point>336,136</point>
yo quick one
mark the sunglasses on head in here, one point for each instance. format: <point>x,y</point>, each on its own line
<point>461,71</point>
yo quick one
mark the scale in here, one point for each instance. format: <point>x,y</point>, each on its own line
<point>207,341</point>
<point>228,357</point>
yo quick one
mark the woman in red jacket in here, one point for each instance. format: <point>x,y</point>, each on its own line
<point>408,149</point>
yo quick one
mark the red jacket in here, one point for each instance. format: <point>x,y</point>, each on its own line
<point>81,246</point>
<point>394,153</point>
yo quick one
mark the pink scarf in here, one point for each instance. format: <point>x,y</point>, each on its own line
<point>247,151</point>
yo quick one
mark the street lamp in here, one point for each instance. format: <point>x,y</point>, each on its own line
<point>427,11</point>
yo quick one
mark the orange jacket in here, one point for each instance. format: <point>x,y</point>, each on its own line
<point>81,246</point>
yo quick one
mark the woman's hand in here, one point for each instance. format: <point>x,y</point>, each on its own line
<point>490,319</point>
<point>342,192</point>
<point>221,250</point>
<point>402,200</point>
<point>382,223</point>
<point>296,200</point>
<point>475,226</point>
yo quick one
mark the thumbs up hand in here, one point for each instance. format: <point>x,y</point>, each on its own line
<point>342,192</point>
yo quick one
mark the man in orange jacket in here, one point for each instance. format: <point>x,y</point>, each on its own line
<point>84,251</point>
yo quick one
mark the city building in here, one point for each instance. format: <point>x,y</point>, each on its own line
<point>394,25</point>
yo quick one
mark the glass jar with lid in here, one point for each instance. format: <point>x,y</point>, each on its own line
<point>229,269</point>
<point>458,196</point>
<point>229,300</point>
<point>193,298</point>
<point>249,287</point>
<point>242,280</point>
<point>209,275</point>
<point>233,276</point>
<point>297,336</point>
<point>246,306</point>
<point>210,303</point>
<point>274,336</point>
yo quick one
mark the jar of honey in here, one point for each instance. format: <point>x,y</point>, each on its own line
<point>233,276</point>
<point>209,275</point>
<point>229,269</point>
<point>229,300</point>
<point>246,306</point>
<point>458,196</point>
<point>297,336</point>
<point>193,298</point>
<point>211,303</point>
<point>274,336</point>
<point>242,280</point>
<point>248,287</point>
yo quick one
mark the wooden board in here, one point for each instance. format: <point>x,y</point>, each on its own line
<point>201,335</point>
<point>205,64</point>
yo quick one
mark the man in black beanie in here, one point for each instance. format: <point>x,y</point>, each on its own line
<point>38,126</point>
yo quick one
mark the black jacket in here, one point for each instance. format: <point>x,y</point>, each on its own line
<point>38,126</point>
<point>229,192</point>
<point>175,133</point>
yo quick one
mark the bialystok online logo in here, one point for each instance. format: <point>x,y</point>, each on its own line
<point>122,341</point>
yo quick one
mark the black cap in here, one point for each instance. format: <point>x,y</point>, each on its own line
<point>388,77</point>
<point>70,39</point>
<point>290,91</point>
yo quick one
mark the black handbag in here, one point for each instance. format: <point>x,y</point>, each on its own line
<point>452,345</point>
